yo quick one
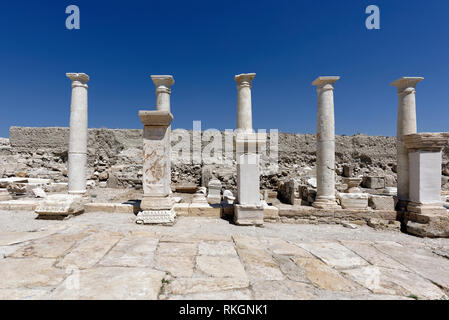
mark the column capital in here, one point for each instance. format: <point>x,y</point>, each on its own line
<point>245,79</point>
<point>156,118</point>
<point>406,84</point>
<point>78,79</point>
<point>325,82</point>
<point>426,141</point>
<point>163,83</point>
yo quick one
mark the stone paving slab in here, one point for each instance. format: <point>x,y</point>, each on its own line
<point>104,256</point>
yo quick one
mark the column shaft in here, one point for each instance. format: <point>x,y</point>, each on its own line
<point>325,152</point>
<point>77,161</point>
<point>406,124</point>
<point>244,104</point>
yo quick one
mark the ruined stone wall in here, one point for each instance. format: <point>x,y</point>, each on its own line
<point>115,158</point>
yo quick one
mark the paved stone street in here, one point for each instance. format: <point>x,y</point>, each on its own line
<point>108,256</point>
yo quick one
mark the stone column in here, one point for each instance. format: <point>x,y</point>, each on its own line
<point>325,152</point>
<point>426,217</point>
<point>406,125</point>
<point>163,91</point>
<point>78,134</point>
<point>157,203</point>
<point>249,209</point>
<point>244,108</point>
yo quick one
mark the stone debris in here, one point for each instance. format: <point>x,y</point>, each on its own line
<point>60,205</point>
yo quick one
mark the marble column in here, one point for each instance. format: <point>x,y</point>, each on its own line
<point>325,152</point>
<point>157,203</point>
<point>163,91</point>
<point>78,134</point>
<point>244,107</point>
<point>248,209</point>
<point>406,125</point>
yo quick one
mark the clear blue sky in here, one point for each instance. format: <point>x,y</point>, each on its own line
<point>203,44</point>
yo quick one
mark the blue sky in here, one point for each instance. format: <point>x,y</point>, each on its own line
<point>203,44</point>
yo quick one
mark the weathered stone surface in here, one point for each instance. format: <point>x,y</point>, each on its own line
<point>323,276</point>
<point>32,272</point>
<point>381,202</point>
<point>242,294</point>
<point>50,247</point>
<point>334,254</point>
<point>391,282</point>
<point>60,205</point>
<point>373,182</point>
<point>220,267</point>
<point>248,215</point>
<point>116,283</point>
<point>177,249</point>
<point>353,200</point>
<point>373,255</point>
<point>283,290</point>
<point>90,251</point>
<point>205,210</point>
<point>23,294</point>
<point>177,266</point>
<point>287,191</point>
<point>282,247</point>
<point>423,262</point>
<point>258,263</point>
<point>183,286</point>
<point>220,248</point>
<point>132,251</point>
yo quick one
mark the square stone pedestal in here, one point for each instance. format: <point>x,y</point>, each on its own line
<point>426,216</point>
<point>353,200</point>
<point>59,206</point>
<point>247,215</point>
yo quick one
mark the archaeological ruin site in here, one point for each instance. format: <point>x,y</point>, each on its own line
<point>238,214</point>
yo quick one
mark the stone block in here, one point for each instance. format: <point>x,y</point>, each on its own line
<point>205,210</point>
<point>181,209</point>
<point>373,182</point>
<point>353,200</point>
<point>287,191</point>
<point>270,212</point>
<point>381,202</point>
<point>245,215</point>
<point>348,170</point>
<point>5,195</point>
<point>60,205</point>
<point>214,194</point>
<point>164,217</point>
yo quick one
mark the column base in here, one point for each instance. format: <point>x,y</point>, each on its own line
<point>156,203</point>
<point>248,215</point>
<point>326,204</point>
<point>163,217</point>
<point>56,206</point>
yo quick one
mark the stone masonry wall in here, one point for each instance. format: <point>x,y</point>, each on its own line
<point>115,158</point>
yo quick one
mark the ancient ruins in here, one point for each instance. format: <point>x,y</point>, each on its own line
<point>398,184</point>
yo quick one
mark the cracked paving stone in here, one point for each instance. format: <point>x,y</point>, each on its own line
<point>220,267</point>
<point>30,272</point>
<point>283,290</point>
<point>334,254</point>
<point>393,282</point>
<point>182,286</point>
<point>90,251</point>
<point>132,251</point>
<point>373,256</point>
<point>53,246</point>
<point>242,294</point>
<point>177,249</point>
<point>105,283</point>
<point>176,266</point>
<point>220,248</point>
<point>282,247</point>
<point>324,276</point>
